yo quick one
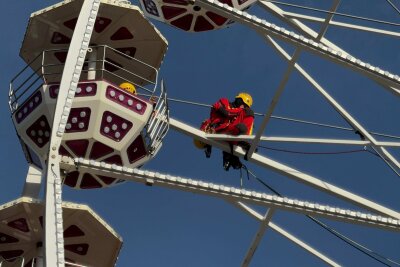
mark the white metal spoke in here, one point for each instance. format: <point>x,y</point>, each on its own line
<point>32,182</point>
<point>54,229</point>
<point>307,31</point>
<point>283,83</point>
<point>257,238</point>
<point>287,171</point>
<point>230,193</point>
<point>338,107</point>
<point>296,24</point>
<point>320,49</point>
<point>274,102</point>
<point>225,137</point>
<point>286,234</point>
<point>341,24</point>
<point>328,19</point>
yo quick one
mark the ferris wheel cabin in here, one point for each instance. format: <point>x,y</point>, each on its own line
<point>21,235</point>
<point>106,123</point>
<point>187,16</point>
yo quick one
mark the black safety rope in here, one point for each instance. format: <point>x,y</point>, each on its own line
<point>370,253</point>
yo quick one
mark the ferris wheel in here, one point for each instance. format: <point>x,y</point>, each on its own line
<point>79,126</point>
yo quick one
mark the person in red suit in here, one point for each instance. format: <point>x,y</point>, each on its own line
<point>234,118</point>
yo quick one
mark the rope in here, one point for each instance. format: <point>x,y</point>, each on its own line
<point>386,160</point>
<point>313,153</point>
<point>336,153</point>
<point>394,7</point>
<point>370,253</point>
<point>286,119</point>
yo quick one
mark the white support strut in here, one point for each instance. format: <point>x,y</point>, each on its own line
<point>289,70</point>
<point>341,24</point>
<point>353,122</point>
<point>286,234</point>
<point>273,9</point>
<point>32,182</point>
<point>286,139</point>
<point>229,193</point>
<point>257,238</point>
<point>307,31</point>
<point>286,171</point>
<point>54,229</point>
<point>391,81</point>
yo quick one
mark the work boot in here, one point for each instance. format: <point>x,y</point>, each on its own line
<point>226,165</point>
<point>226,160</point>
<point>207,151</point>
<point>235,162</point>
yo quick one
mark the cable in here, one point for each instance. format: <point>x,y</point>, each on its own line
<point>354,244</point>
<point>313,153</point>
<point>328,125</point>
<point>287,119</point>
<point>336,153</point>
<point>336,13</point>
<point>52,171</point>
<point>394,7</point>
<point>189,102</point>
<point>374,255</point>
<point>308,122</point>
<point>386,160</point>
<point>305,122</point>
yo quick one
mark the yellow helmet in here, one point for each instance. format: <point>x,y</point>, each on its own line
<point>128,87</point>
<point>247,99</point>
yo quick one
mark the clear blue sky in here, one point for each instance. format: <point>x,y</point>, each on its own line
<point>163,227</point>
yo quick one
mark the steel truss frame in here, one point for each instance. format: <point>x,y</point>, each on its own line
<point>320,46</point>
<point>238,197</point>
<point>53,220</point>
<point>383,217</point>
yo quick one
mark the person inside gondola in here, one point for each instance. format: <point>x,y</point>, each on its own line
<point>128,87</point>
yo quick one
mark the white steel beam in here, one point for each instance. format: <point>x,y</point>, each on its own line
<point>257,238</point>
<point>286,234</point>
<point>274,102</point>
<point>307,31</point>
<point>53,221</point>
<point>341,24</point>
<point>339,108</point>
<point>282,84</point>
<point>392,81</point>
<point>33,182</point>
<point>326,141</point>
<point>273,9</point>
<point>286,171</point>
<point>294,23</point>
<point>229,193</point>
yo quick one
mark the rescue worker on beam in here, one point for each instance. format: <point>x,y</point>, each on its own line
<point>234,118</point>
